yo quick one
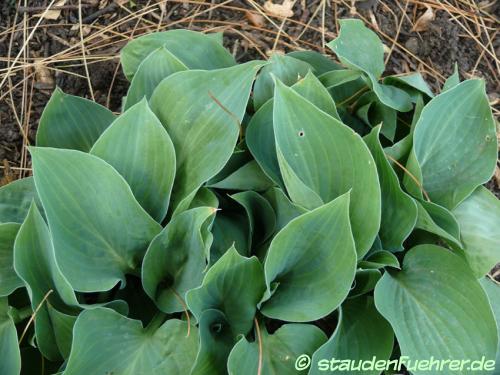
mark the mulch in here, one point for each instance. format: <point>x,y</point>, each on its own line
<point>461,31</point>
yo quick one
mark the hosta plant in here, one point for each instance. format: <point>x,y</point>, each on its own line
<point>244,218</point>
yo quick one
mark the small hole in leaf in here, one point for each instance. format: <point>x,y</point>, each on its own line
<point>216,327</point>
<point>301,133</point>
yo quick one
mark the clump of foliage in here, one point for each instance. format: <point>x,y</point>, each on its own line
<point>236,216</point>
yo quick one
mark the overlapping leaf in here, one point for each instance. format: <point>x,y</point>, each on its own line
<point>9,281</point>
<point>109,343</point>
<point>157,66</point>
<point>194,50</point>
<point>202,112</point>
<point>72,122</point>
<point>399,211</point>
<point>362,333</point>
<point>35,263</point>
<point>361,49</point>
<point>279,350</point>
<point>234,285</point>
<point>322,159</point>
<point>80,193</point>
<point>10,357</point>
<point>287,69</point>
<point>176,259</point>
<point>310,264</point>
<point>139,148</point>
<point>437,308</point>
<point>452,159</point>
<point>15,200</point>
<point>479,219</point>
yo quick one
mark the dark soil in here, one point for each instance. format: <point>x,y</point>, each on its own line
<point>443,43</point>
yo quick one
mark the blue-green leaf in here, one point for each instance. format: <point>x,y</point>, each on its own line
<point>176,259</point>
<point>437,309</point>
<point>325,159</point>
<point>139,148</point>
<point>202,112</point>
<point>72,122</point>
<point>80,193</point>
<point>310,264</point>
<point>195,50</point>
<point>233,285</point>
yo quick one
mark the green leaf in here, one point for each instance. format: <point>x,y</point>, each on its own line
<point>249,177</point>
<point>410,82</point>
<point>10,357</point>
<point>42,277</point>
<point>80,193</point>
<point>364,282</point>
<point>360,48</point>
<point>392,97</point>
<point>176,259</point>
<point>438,220</point>
<point>279,350</point>
<point>15,200</point>
<point>62,325</point>
<point>452,80</point>
<point>260,214</point>
<point>194,50</point>
<point>310,264</point>
<point>479,219</point>
<point>399,211</point>
<point>437,308</point>
<point>361,334</point>
<point>287,69</point>
<point>368,56</point>
<point>72,122</point>
<point>205,198</point>
<point>299,192</point>
<point>259,137</point>
<point>233,285</point>
<point>320,63</point>
<point>148,163</point>
<point>459,154</point>
<point>202,112</point>
<point>9,281</point>
<point>339,77</point>
<point>106,342</point>
<point>218,37</point>
<point>283,208</point>
<point>379,259</point>
<point>373,113</point>
<point>327,158</point>
<point>492,289</point>
<point>157,66</point>
<point>229,228</point>
<point>313,90</point>
<point>216,341</point>
<point>260,132</point>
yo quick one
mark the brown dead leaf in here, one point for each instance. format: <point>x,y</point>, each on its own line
<point>280,10</point>
<point>270,52</point>
<point>423,22</point>
<point>255,18</point>
<point>374,21</point>
<point>43,77</point>
<point>162,5</point>
<point>8,176</point>
<point>53,14</point>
